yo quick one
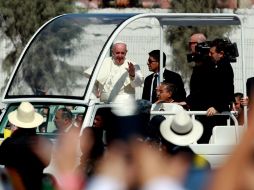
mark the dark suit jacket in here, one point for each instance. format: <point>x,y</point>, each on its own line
<point>214,87</point>
<point>250,86</point>
<point>170,77</point>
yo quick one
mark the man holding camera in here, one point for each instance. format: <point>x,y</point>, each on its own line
<point>197,83</point>
<point>214,90</point>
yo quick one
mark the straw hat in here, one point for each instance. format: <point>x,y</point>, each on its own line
<point>25,116</point>
<point>180,129</point>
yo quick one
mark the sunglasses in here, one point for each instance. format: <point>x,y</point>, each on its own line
<point>151,61</point>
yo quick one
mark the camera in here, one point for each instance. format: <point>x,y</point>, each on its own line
<point>230,50</point>
<point>202,50</point>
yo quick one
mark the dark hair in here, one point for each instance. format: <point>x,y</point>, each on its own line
<point>154,127</point>
<point>219,44</point>
<point>102,112</point>
<point>156,55</point>
<point>238,94</point>
<point>24,131</point>
<point>250,86</point>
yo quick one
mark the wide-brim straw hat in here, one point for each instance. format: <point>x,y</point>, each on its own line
<point>25,116</point>
<point>181,129</point>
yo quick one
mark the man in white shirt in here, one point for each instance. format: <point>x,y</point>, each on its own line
<point>118,76</point>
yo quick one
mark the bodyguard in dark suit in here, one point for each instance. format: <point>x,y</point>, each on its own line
<point>152,80</point>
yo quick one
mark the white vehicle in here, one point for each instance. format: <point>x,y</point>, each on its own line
<point>50,70</point>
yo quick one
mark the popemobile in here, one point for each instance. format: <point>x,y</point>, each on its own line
<point>51,71</point>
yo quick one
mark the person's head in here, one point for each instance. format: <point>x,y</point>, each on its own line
<point>63,119</point>
<point>154,61</point>
<point>99,119</point>
<point>144,113</point>
<point>238,97</point>
<point>79,120</point>
<point>217,50</point>
<point>166,91</point>
<point>43,128</point>
<point>119,51</point>
<point>250,87</point>
<point>154,127</point>
<point>25,117</point>
<point>195,39</point>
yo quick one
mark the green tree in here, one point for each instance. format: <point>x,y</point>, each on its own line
<point>19,21</point>
<point>178,37</point>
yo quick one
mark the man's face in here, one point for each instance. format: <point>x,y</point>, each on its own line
<point>193,43</point>
<point>215,55</point>
<point>194,40</point>
<point>119,52</point>
<point>153,64</point>
<point>59,121</point>
<point>238,104</point>
<point>98,121</point>
<point>163,94</point>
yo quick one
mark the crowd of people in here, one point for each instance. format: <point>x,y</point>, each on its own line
<point>158,159</point>
<point>142,152</point>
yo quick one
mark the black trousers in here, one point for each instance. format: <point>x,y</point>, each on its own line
<point>208,124</point>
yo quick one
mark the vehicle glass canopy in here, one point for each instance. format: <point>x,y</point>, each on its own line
<point>53,62</point>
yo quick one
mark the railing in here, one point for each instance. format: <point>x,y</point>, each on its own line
<point>231,114</point>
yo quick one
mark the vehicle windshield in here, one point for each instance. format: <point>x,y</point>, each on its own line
<point>54,61</point>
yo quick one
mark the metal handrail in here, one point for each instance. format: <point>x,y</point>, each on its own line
<point>231,114</point>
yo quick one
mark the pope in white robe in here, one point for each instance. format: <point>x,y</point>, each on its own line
<point>118,76</point>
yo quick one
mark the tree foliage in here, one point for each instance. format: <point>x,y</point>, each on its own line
<point>20,20</point>
<point>47,54</point>
<point>178,37</point>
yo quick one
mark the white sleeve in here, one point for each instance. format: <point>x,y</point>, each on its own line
<point>105,183</point>
<point>163,183</point>
<point>138,79</point>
